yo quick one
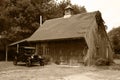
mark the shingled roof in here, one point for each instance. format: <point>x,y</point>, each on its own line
<point>63,28</point>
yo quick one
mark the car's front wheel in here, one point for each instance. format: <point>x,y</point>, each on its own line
<point>28,63</point>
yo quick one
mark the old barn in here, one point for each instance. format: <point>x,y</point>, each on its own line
<point>73,38</point>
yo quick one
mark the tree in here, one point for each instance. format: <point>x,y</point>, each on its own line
<point>58,9</point>
<point>114,36</point>
<point>20,17</point>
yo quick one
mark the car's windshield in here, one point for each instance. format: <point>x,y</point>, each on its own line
<point>27,50</point>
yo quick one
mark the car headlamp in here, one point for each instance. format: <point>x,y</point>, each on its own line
<point>40,57</point>
<point>32,56</point>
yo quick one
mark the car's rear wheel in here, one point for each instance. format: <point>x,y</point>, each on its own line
<point>41,63</point>
<point>28,63</point>
<point>15,61</point>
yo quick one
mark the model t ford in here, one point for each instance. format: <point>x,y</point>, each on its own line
<point>28,55</point>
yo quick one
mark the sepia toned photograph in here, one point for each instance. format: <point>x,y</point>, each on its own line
<point>59,40</point>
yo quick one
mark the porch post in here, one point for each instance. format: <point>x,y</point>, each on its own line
<point>6,58</point>
<point>17,48</point>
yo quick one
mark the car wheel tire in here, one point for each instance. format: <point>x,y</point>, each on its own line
<point>28,63</point>
<point>15,62</point>
<point>41,63</point>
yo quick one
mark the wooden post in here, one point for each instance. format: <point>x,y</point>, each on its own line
<point>6,59</point>
<point>17,48</point>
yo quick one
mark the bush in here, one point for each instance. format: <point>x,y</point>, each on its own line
<point>47,60</point>
<point>114,36</point>
<point>102,62</point>
<point>116,56</point>
<point>58,62</point>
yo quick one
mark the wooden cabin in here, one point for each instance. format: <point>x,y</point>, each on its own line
<point>75,39</point>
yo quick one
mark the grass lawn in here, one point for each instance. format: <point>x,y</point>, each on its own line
<point>58,72</point>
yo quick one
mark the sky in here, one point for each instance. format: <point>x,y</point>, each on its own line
<point>110,10</point>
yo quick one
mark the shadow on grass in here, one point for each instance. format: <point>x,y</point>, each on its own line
<point>24,65</point>
<point>110,67</point>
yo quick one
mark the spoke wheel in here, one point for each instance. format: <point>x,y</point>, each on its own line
<point>28,63</point>
<point>41,63</point>
<point>15,61</point>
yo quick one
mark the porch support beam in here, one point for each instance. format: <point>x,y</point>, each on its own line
<point>6,58</point>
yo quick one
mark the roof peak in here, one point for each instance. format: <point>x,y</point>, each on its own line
<point>68,7</point>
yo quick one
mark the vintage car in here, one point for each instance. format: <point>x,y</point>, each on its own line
<point>27,55</point>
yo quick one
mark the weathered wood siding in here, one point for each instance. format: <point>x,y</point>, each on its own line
<point>98,44</point>
<point>66,51</point>
<point>105,48</point>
